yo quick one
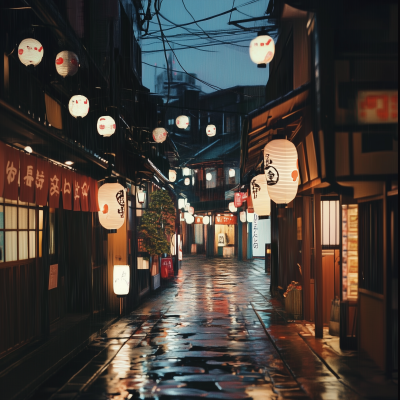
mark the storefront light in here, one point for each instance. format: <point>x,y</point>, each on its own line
<point>187,181</point>
<point>141,196</point>
<point>30,52</point>
<point>209,176</point>
<point>186,171</point>
<point>232,172</point>
<point>121,279</point>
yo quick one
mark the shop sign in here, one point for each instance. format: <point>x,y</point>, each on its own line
<point>377,107</point>
<point>167,270</point>
<point>225,220</point>
<point>198,220</point>
<point>238,199</point>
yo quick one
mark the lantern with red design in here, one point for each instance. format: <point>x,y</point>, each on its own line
<point>78,106</point>
<point>67,63</point>
<point>159,135</point>
<point>112,203</point>
<point>106,126</point>
<point>30,52</point>
<point>262,50</point>
<point>182,122</point>
<point>211,130</point>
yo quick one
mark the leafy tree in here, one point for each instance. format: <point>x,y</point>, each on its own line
<point>158,221</point>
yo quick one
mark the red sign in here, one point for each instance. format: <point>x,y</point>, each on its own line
<point>167,270</point>
<point>377,107</point>
<point>238,199</point>
<point>27,178</point>
<point>225,220</point>
<point>198,220</point>
<point>244,196</point>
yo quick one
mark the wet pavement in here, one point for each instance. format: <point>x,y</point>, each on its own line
<point>206,335</point>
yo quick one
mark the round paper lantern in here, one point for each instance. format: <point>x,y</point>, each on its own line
<point>243,217</point>
<point>106,126</point>
<point>172,175</point>
<point>186,171</point>
<point>67,63</point>
<point>232,172</point>
<point>182,122</point>
<point>112,201</point>
<point>189,218</point>
<point>281,170</point>
<point>30,52</point>
<point>78,106</point>
<point>250,216</point>
<point>187,181</point>
<point>121,279</point>
<point>159,135</point>
<point>211,130</point>
<point>259,195</point>
<point>232,207</point>
<point>209,176</point>
<point>206,220</point>
<point>262,49</point>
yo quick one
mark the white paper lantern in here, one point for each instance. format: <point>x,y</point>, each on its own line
<point>189,218</point>
<point>259,195</point>
<point>262,49</point>
<point>232,207</point>
<point>141,196</point>
<point>78,106</point>
<point>243,217</point>
<point>172,175</point>
<point>106,126</point>
<point>206,220</point>
<point>187,181</point>
<point>159,135</point>
<point>281,170</point>
<point>250,216</point>
<point>121,278</point>
<point>30,52</point>
<point>182,122</point>
<point>112,203</point>
<point>181,203</point>
<point>186,171</point>
<point>209,176</point>
<point>232,172</point>
<point>211,130</point>
<point>67,63</point>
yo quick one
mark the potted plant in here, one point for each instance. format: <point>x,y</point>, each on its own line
<point>158,223</point>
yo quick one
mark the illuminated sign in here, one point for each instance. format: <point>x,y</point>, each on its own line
<point>225,220</point>
<point>377,107</point>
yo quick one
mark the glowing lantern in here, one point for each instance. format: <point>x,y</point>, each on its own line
<point>209,176</point>
<point>206,220</point>
<point>232,207</point>
<point>243,217</point>
<point>78,106</point>
<point>106,126</point>
<point>30,52</point>
<point>211,130</point>
<point>191,210</point>
<point>237,199</point>
<point>172,175</point>
<point>250,216</point>
<point>121,280</point>
<point>232,172</point>
<point>189,218</point>
<point>181,203</point>
<point>186,171</point>
<point>259,195</point>
<point>141,197</point>
<point>262,49</point>
<point>281,170</point>
<point>187,181</point>
<point>67,63</point>
<point>159,135</point>
<point>112,200</point>
<point>182,122</point>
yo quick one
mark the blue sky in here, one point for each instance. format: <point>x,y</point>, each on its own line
<point>226,65</point>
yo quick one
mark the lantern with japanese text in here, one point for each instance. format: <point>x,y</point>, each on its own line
<point>211,130</point>
<point>159,135</point>
<point>187,181</point>
<point>112,203</point>
<point>30,52</point>
<point>121,279</point>
<point>281,170</point>
<point>106,126</point>
<point>172,175</point>
<point>232,207</point>
<point>237,199</point>
<point>182,122</point>
<point>67,63</point>
<point>262,50</point>
<point>206,220</point>
<point>243,217</point>
<point>78,106</point>
<point>259,195</point>
<point>141,196</point>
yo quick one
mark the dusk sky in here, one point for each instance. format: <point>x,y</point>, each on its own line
<point>223,65</point>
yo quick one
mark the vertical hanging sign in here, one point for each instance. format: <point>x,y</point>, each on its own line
<point>11,159</point>
<point>27,178</point>
<point>77,191</point>
<point>55,186</point>
<point>42,182</point>
<point>67,191</point>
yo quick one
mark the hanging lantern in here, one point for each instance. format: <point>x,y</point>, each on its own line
<point>243,217</point>
<point>30,52</point>
<point>106,126</point>
<point>193,180</point>
<point>78,106</point>
<point>112,200</point>
<point>189,218</point>
<point>191,210</point>
<point>182,122</point>
<point>281,170</point>
<point>250,216</point>
<point>259,195</point>
<point>237,199</point>
<point>232,172</point>
<point>187,181</point>
<point>172,175</point>
<point>186,171</point>
<point>262,50</point>
<point>232,207</point>
<point>209,176</point>
<point>67,63</point>
<point>206,220</point>
<point>211,130</point>
<point>121,280</point>
<point>181,203</point>
<point>141,197</point>
<point>159,135</point>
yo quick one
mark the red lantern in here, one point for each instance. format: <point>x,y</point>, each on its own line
<point>238,199</point>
